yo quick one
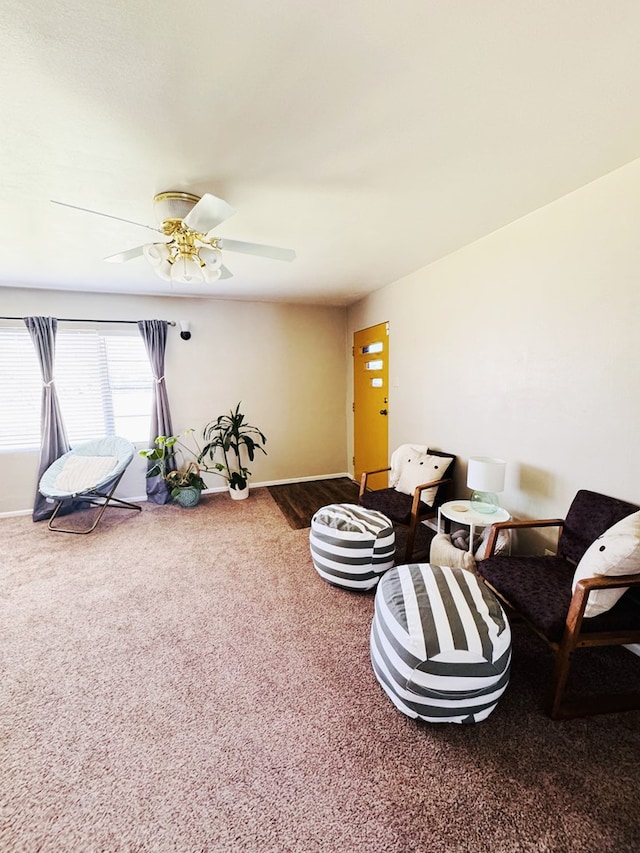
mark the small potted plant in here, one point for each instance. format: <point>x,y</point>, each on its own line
<point>184,483</point>
<point>231,436</point>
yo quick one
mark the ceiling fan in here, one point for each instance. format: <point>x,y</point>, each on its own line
<point>187,250</point>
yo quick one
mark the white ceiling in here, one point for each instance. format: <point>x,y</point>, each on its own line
<point>371,136</point>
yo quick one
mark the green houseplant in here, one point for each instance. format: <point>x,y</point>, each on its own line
<point>232,437</point>
<point>184,482</point>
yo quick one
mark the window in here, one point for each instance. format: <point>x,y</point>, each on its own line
<point>104,385</point>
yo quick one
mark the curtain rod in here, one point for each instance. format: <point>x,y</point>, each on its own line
<point>76,320</point>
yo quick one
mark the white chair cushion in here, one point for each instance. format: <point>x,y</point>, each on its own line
<point>80,473</point>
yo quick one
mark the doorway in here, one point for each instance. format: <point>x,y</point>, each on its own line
<point>371,403</point>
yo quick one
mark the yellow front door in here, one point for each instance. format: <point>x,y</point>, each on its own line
<point>371,402</point>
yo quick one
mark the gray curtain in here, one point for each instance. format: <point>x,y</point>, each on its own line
<point>54,440</point>
<point>154,335</point>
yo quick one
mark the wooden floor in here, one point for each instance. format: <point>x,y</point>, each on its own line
<point>299,501</point>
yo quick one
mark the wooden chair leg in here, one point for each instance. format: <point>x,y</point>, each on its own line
<point>559,680</point>
<point>411,538</point>
<point>568,708</point>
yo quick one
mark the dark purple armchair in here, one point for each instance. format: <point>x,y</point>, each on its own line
<point>539,589</point>
<point>407,511</point>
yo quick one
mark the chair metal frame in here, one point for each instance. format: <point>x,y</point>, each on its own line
<point>107,499</point>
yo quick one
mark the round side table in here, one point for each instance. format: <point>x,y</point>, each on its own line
<point>462,513</point>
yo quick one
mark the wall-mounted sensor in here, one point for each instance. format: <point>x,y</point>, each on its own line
<point>185,334</point>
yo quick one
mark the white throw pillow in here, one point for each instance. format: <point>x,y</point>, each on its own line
<point>400,456</point>
<point>616,552</point>
<point>422,468</point>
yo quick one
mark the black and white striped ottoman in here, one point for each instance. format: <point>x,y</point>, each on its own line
<point>440,643</point>
<point>351,546</point>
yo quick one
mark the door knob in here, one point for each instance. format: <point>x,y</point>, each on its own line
<point>384,412</point>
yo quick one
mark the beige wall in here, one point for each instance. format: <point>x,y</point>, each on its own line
<point>525,345</point>
<point>285,362</point>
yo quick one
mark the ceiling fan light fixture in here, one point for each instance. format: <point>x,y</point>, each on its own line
<point>211,257</point>
<point>186,270</point>
<point>156,253</point>
<point>210,275</point>
<point>164,270</point>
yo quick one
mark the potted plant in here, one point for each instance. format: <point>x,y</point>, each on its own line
<point>231,436</point>
<point>184,483</point>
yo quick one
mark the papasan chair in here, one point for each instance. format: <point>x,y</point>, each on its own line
<point>89,473</point>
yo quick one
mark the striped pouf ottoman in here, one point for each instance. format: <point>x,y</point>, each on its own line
<point>351,546</point>
<point>440,643</point>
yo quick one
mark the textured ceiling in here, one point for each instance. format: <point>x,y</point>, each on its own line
<point>372,137</point>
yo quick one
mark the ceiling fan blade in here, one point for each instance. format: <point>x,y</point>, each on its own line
<point>225,273</point>
<point>207,213</point>
<point>108,215</point>
<point>274,252</point>
<point>128,255</point>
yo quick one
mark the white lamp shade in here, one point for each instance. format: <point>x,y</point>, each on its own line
<point>486,474</point>
<point>164,270</point>
<point>156,253</point>
<point>211,258</point>
<point>210,275</point>
<point>185,270</point>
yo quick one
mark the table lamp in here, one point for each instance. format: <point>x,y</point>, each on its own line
<point>485,477</point>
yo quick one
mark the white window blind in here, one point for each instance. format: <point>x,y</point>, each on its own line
<point>104,385</point>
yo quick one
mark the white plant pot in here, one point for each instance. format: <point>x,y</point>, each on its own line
<point>239,494</point>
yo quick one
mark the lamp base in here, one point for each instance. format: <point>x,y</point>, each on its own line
<point>485,502</point>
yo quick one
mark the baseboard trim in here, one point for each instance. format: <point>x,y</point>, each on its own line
<point>263,484</point>
<point>216,490</point>
<point>301,480</point>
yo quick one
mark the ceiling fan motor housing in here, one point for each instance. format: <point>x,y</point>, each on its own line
<point>171,207</point>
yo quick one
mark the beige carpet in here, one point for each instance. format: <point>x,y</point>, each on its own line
<point>182,680</point>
